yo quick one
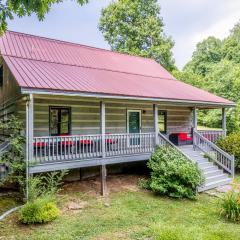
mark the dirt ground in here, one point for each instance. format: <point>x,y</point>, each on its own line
<point>115,183</point>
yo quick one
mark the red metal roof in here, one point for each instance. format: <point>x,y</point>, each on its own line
<point>42,63</point>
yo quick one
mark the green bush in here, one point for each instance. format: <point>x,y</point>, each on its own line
<point>231,145</point>
<point>45,184</point>
<point>173,174</point>
<point>230,206</point>
<point>41,210</point>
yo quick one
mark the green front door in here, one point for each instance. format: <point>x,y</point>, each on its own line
<point>134,126</point>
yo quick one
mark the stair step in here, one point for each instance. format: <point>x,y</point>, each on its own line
<point>215,184</point>
<point>212,173</point>
<point>215,178</point>
<point>200,161</point>
<point>209,168</point>
<point>205,164</point>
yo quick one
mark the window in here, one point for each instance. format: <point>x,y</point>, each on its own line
<point>1,76</point>
<point>162,121</point>
<point>59,121</point>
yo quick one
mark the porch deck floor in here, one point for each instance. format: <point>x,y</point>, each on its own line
<point>86,162</point>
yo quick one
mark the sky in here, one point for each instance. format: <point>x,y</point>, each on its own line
<point>187,22</point>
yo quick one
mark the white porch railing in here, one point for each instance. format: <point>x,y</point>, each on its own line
<point>212,135</point>
<point>67,148</point>
<point>216,154</point>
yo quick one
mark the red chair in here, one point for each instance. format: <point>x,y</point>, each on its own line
<point>181,138</point>
<point>39,144</point>
<point>184,137</point>
<point>65,142</point>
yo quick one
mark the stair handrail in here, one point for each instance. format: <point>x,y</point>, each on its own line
<point>4,147</point>
<point>163,140</point>
<point>215,153</point>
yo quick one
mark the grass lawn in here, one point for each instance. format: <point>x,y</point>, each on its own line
<point>7,203</point>
<point>131,213</point>
<point>208,128</point>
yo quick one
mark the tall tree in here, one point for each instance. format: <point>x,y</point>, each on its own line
<point>136,27</point>
<point>207,53</point>
<point>231,45</point>
<point>216,63</point>
<point>25,8</point>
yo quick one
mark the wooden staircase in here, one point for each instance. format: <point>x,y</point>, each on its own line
<point>216,165</point>
<point>214,176</point>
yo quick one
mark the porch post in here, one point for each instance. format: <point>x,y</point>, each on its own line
<point>30,128</point>
<point>103,175</point>
<point>103,127</point>
<point>29,138</point>
<point>195,122</point>
<point>224,122</point>
<point>103,170</point>
<point>156,129</point>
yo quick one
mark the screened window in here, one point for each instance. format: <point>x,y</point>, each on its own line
<point>60,120</point>
<point>162,121</point>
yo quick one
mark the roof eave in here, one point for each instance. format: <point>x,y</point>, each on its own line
<point>124,97</point>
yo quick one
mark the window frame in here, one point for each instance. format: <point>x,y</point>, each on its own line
<point>69,123</point>
<point>165,120</point>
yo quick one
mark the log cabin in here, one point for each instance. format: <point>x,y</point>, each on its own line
<point>83,107</point>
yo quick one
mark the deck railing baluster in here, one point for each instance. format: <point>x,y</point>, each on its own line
<point>63,148</point>
<point>221,158</point>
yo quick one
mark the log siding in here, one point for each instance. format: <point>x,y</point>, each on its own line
<point>85,115</point>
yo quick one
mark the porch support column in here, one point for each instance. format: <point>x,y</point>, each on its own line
<point>195,121</point>
<point>103,175</point>
<point>103,169</point>
<point>224,122</point>
<point>156,129</point>
<point>29,136</point>
<point>103,127</point>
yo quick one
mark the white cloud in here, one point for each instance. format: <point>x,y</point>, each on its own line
<point>190,22</point>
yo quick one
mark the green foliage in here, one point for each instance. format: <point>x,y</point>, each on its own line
<point>224,80</point>
<point>144,183</point>
<point>14,158</point>
<point>21,8</point>
<point>45,184</point>
<point>42,191</point>
<point>136,28</point>
<point>231,144</point>
<point>207,53</point>
<point>231,45</point>
<point>230,206</point>
<point>173,175</point>
<point>41,210</point>
<point>189,77</point>
<point>215,67</point>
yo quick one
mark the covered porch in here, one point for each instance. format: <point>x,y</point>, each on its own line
<point>123,131</point>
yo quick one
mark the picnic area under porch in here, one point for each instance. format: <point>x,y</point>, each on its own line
<point>72,132</point>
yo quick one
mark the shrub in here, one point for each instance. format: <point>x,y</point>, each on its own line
<point>173,174</point>
<point>14,158</point>
<point>45,184</point>
<point>42,191</point>
<point>231,145</point>
<point>230,206</point>
<point>41,210</point>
